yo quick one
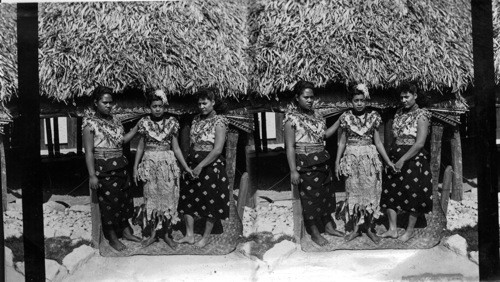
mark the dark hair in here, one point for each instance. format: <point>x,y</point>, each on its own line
<point>409,87</point>
<point>151,97</point>
<point>212,93</point>
<point>301,86</point>
<point>353,91</point>
<point>100,91</point>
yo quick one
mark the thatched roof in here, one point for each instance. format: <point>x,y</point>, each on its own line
<point>8,57</point>
<point>176,45</point>
<point>380,43</point>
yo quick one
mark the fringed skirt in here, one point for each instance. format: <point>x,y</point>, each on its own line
<point>363,170</point>
<point>411,189</point>
<point>115,200</point>
<point>316,194</point>
<point>161,174</point>
<point>208,195</point>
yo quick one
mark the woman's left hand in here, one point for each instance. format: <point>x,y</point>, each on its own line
<point>392,166</point>
<point>189,171</point>
<point>196,172</point>
<point>399,165</point>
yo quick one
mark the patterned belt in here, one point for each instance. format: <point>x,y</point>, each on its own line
<point>107,153</point>
<point>153,147</point>
<point>203,147</point>
<point>306,148</point>
<point>405,141</point>
<point>359,142</point>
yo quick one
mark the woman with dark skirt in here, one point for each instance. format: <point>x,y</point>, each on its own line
<point>305,132</point>
<point>103,137</point>
<point>409,187</point>
<point>206,196</point>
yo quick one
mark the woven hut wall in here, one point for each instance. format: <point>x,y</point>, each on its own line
<point>8,56</point>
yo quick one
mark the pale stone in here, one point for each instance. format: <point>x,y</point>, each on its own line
<point>78,257</point>
<point>50,205</point>
<point>12,231</point>
<point>80,208</point>
<point>457,244</point>
<point>20,267</point>
<point>474,256</point>
<point>9,257</point>
<point>51,269</point>
<point>12,275</point>
<point>278,253</point>
<point>63,232</point>
<point>49,232</point>
<point>246,248</point>
<point>61,274</point>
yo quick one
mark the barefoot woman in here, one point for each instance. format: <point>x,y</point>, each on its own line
<point>358,160</point>
<point>207,195</point>
<point>103,137</point>
<point>305,131</point>
<point>409,187</point>
<point>159,167</point>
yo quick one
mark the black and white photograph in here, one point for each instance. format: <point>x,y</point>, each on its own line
<point>250,140</point>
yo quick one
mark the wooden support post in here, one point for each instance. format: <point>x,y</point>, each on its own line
<point>456,161</point>
<point>48,133</point>
<point>298,221</point>
<point>96,219</point>
<point>79,136</point>
<point>256,133</point>
<point>231,145</point>
<point>445,193</point>
<point>436,139</point>
<point>57,146</point>
<point>388,137</point>
<point>264,132</point>
<point>243,195</point>
<point>252,177</point>
<point>3,167</point>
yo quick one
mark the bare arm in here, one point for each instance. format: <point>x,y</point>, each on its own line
<point>422,131</point>
<point>178,153</point>
<point>220,138</point>
<point>332,129</point>
<point>290,152</point>
<point>138,156</point>
<point>340,152</point>
<point>380,147</point>
<point>127,137</point>
<point>88,143</point>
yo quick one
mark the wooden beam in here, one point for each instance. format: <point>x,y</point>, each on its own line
<point>445,192</point>
<point>48,134</point>
<point>243,194</point>
<point>256,133</point>
<point>29,120</point>
<point>3,167</point>
<point>252,176</point>
<point>456,161</point>
<point>57,145</point>
<point>264,131</point>
<point>436,142</point>
<point>95,215</point>
<point>231,146</point>
<point>484,98</point>
<point>79,136</point>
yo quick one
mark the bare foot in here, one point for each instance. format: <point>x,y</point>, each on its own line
<point>351,236</point>
<point>148,241</point>
<point>186,240</point>
<point>202,243</point>
<point>170,242</point>
<point>127,235</point>
<point>373,237</point>
<point>329,229</point>
<point>117,245</point>
<point>390,234</point>
<point>320,240</point>
<point>406,236</point>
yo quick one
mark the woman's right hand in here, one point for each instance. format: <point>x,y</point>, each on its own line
<point>93,182</point>
<point>135,176</point>
<point>295,177</point>
<point>337,171</point>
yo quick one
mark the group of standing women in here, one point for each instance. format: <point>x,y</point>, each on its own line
<point>404,185</point>
<point>200,192</point>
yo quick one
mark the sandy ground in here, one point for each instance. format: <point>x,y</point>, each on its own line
<point>300,266</point>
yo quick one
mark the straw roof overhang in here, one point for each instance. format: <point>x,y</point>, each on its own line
<point>178,46</point>
<point>8,59</point>
<point>379,43</point>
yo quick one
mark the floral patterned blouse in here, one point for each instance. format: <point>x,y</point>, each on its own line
<point>308,128</point>
<point>405,123</point>
<point>107,133</point>
<point>360,127</point>
<point>203,130</point>
<point>158,133</point>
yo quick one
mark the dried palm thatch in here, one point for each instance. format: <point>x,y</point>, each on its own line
<point>176,45</point>
<point>8,58</point>
<point>380,43</point>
